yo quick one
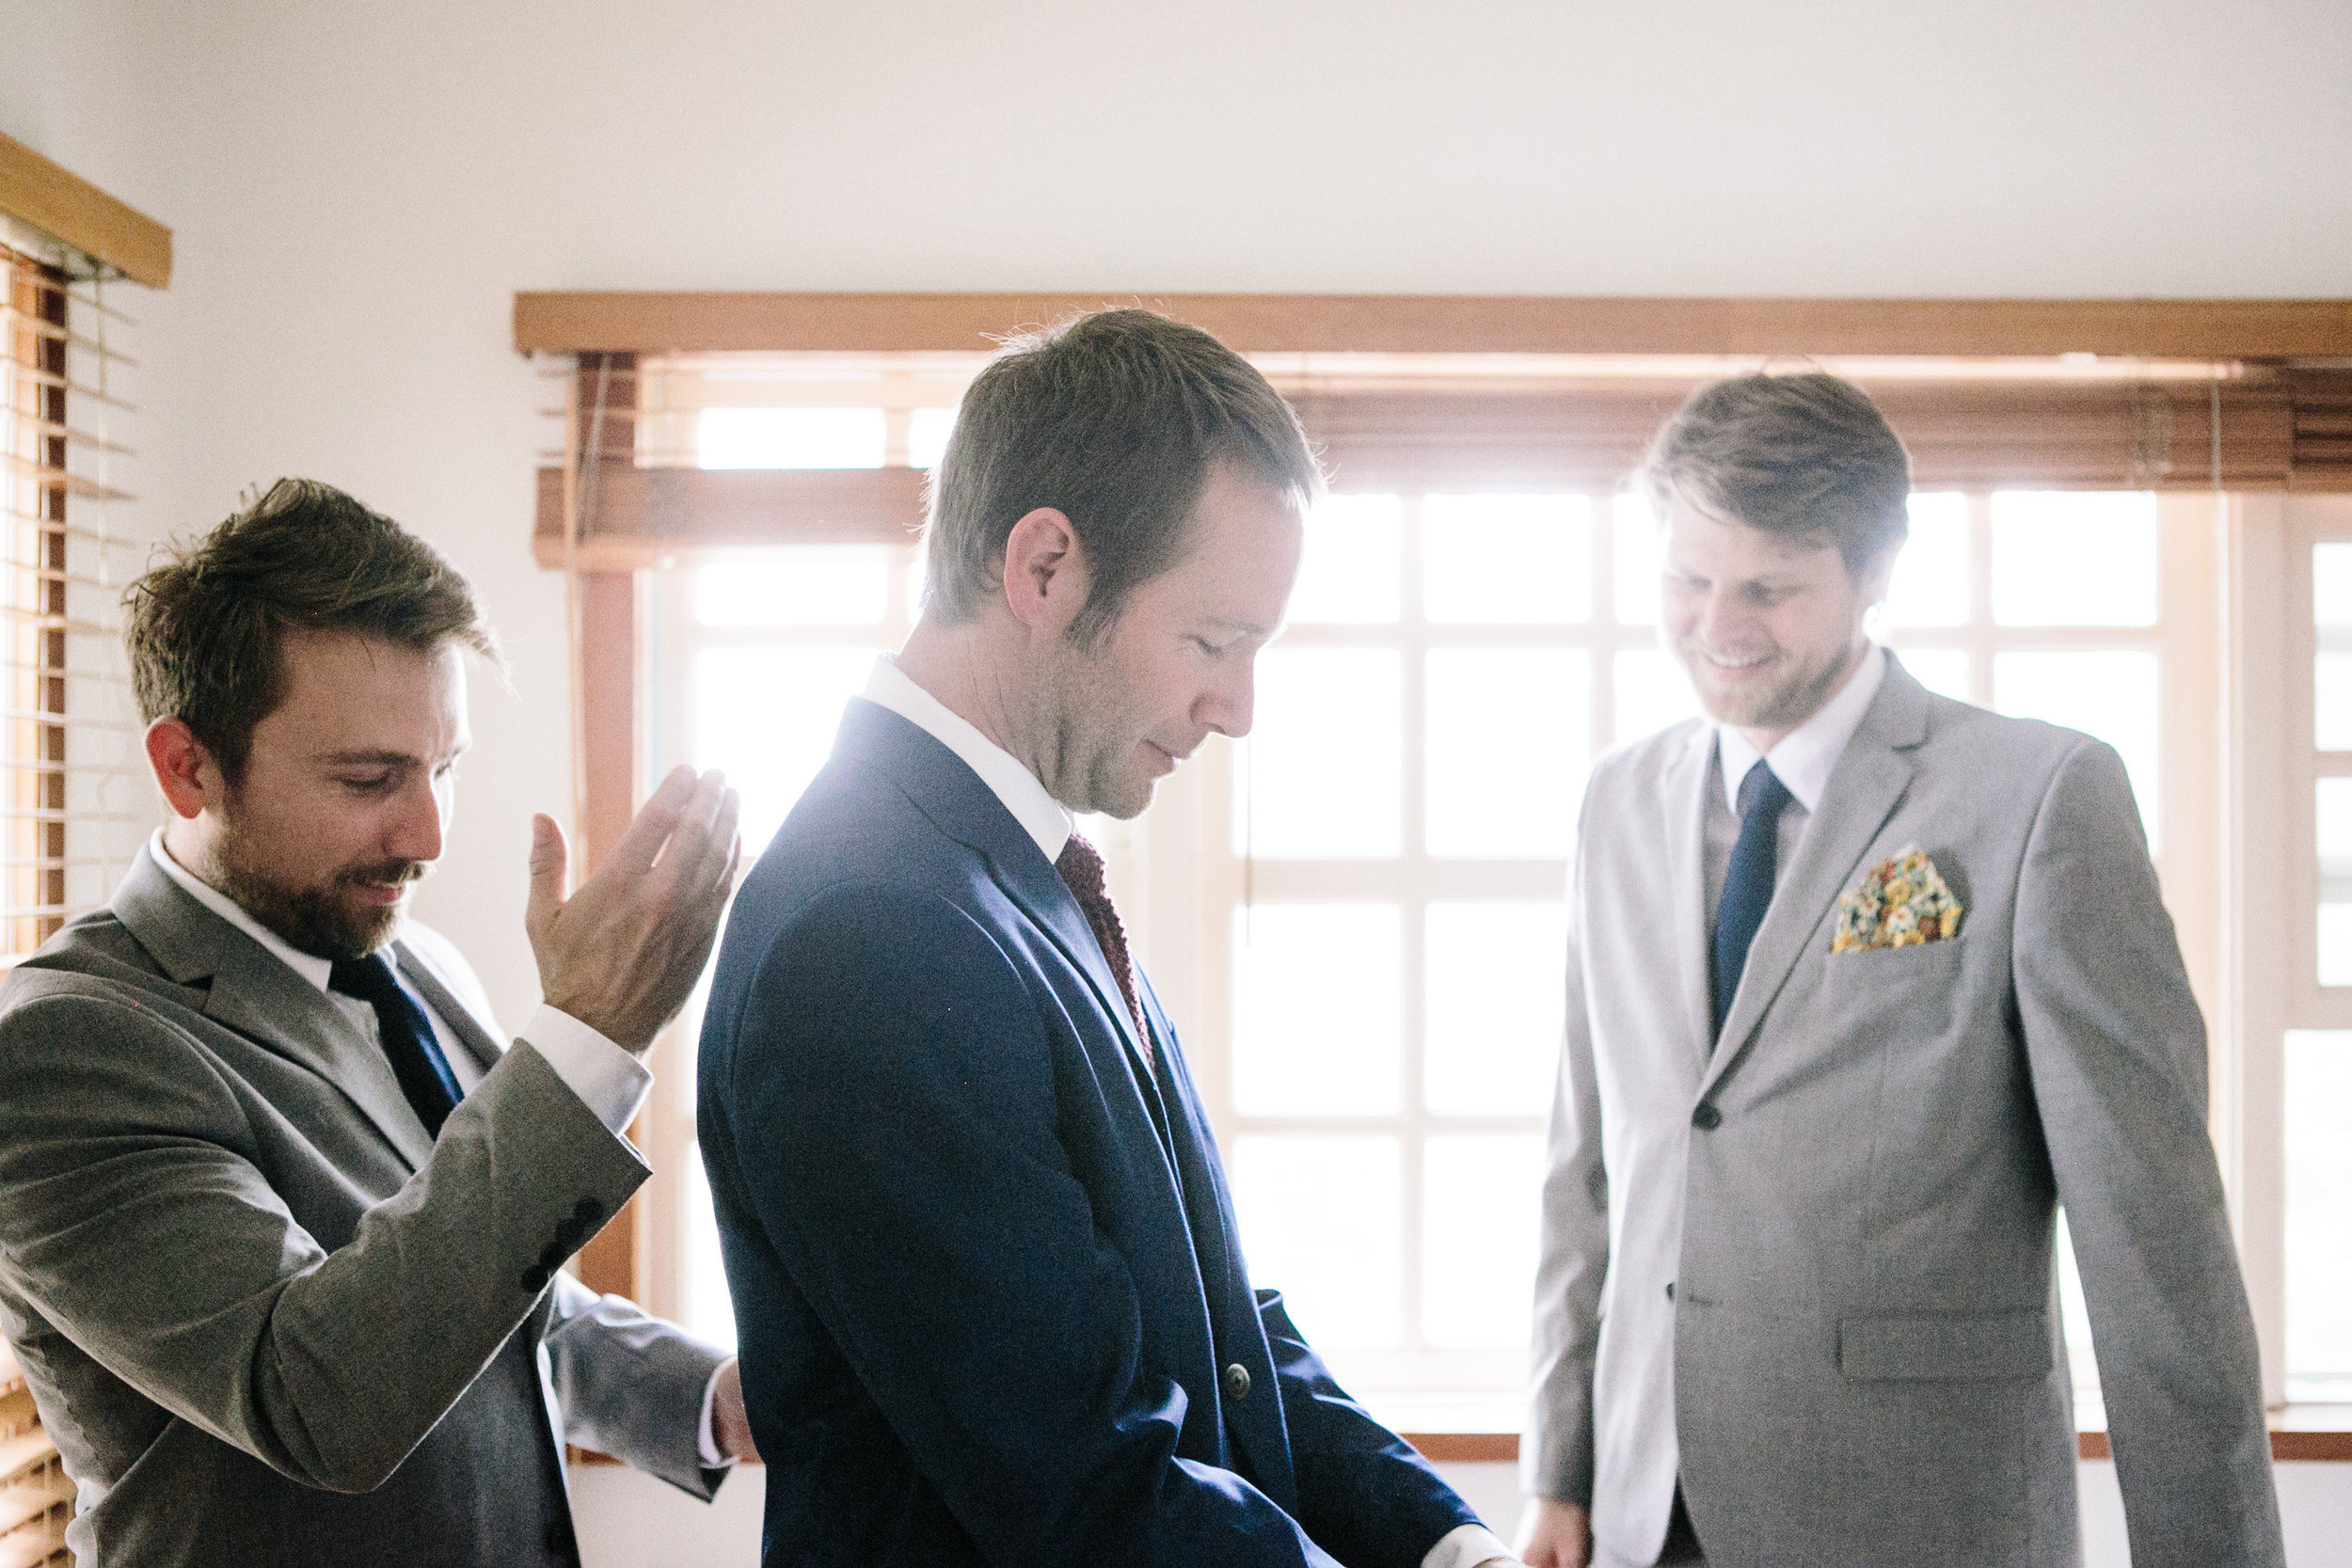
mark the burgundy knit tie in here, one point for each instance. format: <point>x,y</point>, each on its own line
<point>1081,866</point>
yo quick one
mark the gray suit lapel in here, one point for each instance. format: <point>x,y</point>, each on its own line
<point>1686,782</point>
<point>255,994</point>
<point>1869,783</point>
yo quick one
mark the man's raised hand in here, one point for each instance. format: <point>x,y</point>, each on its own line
<point>622,952</point>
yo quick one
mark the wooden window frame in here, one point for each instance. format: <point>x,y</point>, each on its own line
<point>2284,429</point>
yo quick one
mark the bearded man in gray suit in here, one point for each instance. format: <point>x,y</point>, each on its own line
<point>281,1213</point>
<point>1864,984</point>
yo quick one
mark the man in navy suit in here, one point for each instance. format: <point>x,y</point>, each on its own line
<point>993,1302</point>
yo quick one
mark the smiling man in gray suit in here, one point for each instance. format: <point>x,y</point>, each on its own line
<point>1864,984</point>
<point>281,1213</point>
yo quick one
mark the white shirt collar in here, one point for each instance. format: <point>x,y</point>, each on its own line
<point>308,965</point>
<point>1806,755</point>
<point>1039,815</point>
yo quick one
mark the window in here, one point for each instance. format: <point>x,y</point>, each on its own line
<point>74,806</point>
<point>1254,872</point>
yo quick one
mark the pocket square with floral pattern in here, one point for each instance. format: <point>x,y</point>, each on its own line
<point>1899,903</point>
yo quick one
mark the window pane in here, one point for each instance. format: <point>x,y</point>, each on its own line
<point>1495,987</point>
<point>1349,571</point>
<point>2334,818</point>
<point>706,1310</point>
<point>767,716</point>
<point>1942,670</point>
<point>812,586</point>
<point>789,439</point>
<point>2331,700</point>
<point>1479,1223</point>
<point>1641,558</point>
<point>2111,695</point>
<point>1319,1223</point>
<point>1507,559</point>
<point>1315,1010</point>
<point>2319,1197</point>
<point>2332,586</point>
<point>1320,773</point>
<point>1652,693</point>
<point>1930,586</point>
<point>1506,745</point>
<point>927,430</point>
<point>2080,558</point>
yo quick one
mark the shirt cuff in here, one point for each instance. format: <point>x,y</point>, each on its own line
<point>707,1436</point>
<point>1468,1547</point>
<point>609,1080</point>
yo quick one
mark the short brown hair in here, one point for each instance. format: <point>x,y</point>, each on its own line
<point>206,629</point>
<point>1114,419</point>
<point>1800,454</point>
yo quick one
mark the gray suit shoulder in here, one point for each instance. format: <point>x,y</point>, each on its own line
<point>93,955</point>
<point>1639,767</point>
<point>2000,751</point>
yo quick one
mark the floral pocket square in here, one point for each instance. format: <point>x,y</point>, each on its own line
<point>1899,903</point>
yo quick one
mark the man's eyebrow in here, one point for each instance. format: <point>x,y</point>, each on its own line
<point>371,759</point>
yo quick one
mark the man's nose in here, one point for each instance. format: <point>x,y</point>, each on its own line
<point>1230,704</point>
<point>1722,619</point>
<point>415,831</point>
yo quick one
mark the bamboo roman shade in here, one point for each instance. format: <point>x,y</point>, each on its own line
<point>2238,396</point>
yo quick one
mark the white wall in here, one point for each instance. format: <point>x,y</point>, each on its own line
<point>358,190</point>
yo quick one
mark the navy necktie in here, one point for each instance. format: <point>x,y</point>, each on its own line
<point>406,1035</point>
<point>1748,882</point>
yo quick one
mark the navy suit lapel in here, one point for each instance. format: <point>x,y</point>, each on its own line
<point>964,808</point>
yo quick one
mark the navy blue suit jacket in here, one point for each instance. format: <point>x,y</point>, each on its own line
<point>984,1263</point>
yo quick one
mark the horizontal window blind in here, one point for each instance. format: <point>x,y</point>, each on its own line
<point>73,804</point>
<point>682,455</point>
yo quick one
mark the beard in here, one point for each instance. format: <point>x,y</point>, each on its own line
<point>1092,765</point>
<point>1781,705</point>
<point>321,919</point>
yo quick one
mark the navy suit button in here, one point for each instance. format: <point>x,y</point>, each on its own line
<point>1236,1382</point>
<point>535,1279</point>
<point>1706,1119</point>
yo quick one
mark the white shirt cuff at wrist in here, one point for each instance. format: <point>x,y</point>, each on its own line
<point>707,1436</point>
<point>1467,1547</point>
<point>609,1080</point>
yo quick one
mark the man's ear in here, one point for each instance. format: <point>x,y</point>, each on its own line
<point>1045,575</point>
<point>184,771</point>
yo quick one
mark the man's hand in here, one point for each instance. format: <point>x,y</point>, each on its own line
<point>622,952</point>
<point>1555,1535</point>
<point>730,1428</point>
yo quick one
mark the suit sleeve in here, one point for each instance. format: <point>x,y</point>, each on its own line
<point>136,1216</point>
<point>890,1100</point>
<point>1363,1492</point>
<point>1556,1458</point>
<point>632,1386</point>
<point>2116,1048</point>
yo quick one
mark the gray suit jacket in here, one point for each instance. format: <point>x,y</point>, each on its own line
<point>1812,1267</point>
<point>266,1318</point>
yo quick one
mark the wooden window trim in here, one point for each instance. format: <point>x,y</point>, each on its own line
<point>669,323</point>
<point>65,207</point>
<point>2290,429</point>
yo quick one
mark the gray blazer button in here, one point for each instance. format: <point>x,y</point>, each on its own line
<point>1669,1289</point>
<point>1236,1382</point>
<point>1706,1119</point>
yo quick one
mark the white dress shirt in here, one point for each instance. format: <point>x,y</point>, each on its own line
<point>609,1080</point>
<point>1047,821</point>
<point>1802,760</point>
